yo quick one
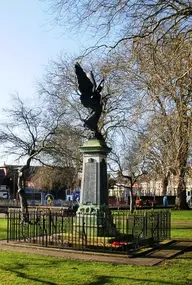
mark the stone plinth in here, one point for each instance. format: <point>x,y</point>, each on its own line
<point>93,213</point>
<point>94,189</point>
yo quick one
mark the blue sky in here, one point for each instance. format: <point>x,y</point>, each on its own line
<point>28,42</point>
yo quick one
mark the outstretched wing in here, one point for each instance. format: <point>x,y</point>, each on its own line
<point>85,84</point>
<point>92,79</point>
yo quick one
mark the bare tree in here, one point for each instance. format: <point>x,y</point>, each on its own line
<point>162,72</point>
<point>61,89</point>
<point>124,19</point>
<point>167,72</point>
<point>159,149</point>
<point>160,76</point>
<point>26,135</point>
<point>55,178</point>
<point>130,166</point>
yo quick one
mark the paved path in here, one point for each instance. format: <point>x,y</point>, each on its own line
<point>170,251</point>
<point>150,259</point>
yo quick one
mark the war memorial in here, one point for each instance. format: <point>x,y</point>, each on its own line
<point>94,226</point>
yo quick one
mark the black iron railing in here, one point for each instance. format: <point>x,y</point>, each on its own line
<point>118,231</point>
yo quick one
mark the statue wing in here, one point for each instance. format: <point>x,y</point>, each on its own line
<point>85,84</point>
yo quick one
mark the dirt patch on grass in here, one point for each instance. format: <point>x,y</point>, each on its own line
<point>182,223</point>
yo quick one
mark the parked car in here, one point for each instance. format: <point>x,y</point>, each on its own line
<point>113,201</point>
<point>148,202</point>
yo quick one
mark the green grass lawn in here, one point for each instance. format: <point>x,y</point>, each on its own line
<point>20,268</point>
<point>3,229</point>
<point>181,216</point>
<point>181,224</point>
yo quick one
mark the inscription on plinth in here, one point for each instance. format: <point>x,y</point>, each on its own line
<point>90,182</point>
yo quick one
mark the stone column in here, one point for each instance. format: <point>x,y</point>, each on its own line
<point>93,212</point>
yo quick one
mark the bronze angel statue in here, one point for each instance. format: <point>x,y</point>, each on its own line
<point>90,98</point>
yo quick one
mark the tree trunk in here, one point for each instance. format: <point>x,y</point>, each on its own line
<point>165,183</point>
<point>184,137</point>
<point>180,202</point>
<point>21,193</point>
<point>131,207</point>
<point>23,205</point>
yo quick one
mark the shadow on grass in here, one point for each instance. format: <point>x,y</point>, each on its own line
<point>182,228</point>
<point>102,280</point>
<point>99,280</point>
<point>15,269</point>
<point>25,276</point>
